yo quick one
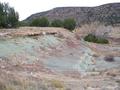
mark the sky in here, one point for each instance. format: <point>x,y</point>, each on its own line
<point>27,7</point>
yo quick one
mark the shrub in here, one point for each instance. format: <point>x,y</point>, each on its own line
<point>95,39</point>
<point>57,23</point>
<point>40,22</point>
<point>22,23</point>
<point>35,22</point>
<point>69,24</point>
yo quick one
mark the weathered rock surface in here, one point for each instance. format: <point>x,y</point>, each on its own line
<point>30,60</point>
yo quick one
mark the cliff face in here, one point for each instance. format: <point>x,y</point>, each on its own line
<point>104,13</point>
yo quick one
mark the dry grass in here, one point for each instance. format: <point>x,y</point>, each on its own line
<point>99,30</point>
<point>57,84</point>
<point>12,81</point>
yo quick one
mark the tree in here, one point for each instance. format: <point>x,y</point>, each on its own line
<point>12,18</point>
<point>1,15</point>
<point>69,24</point>
<point>8,16</point>
<point>57,23</point>
<point>40,22</point>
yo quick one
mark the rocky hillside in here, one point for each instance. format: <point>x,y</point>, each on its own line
<point>108,13</point>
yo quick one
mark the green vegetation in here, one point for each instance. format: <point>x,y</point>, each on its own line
<point>22,23</point>
<point>57,23</point>
<point>40,22</point>
<point>8,16</point>
<point>69,24</point>
<point>95,39</point>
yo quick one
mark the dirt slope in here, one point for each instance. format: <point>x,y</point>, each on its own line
<point>54,59</point>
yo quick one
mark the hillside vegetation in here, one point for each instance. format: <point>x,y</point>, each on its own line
<point>109,14</point>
